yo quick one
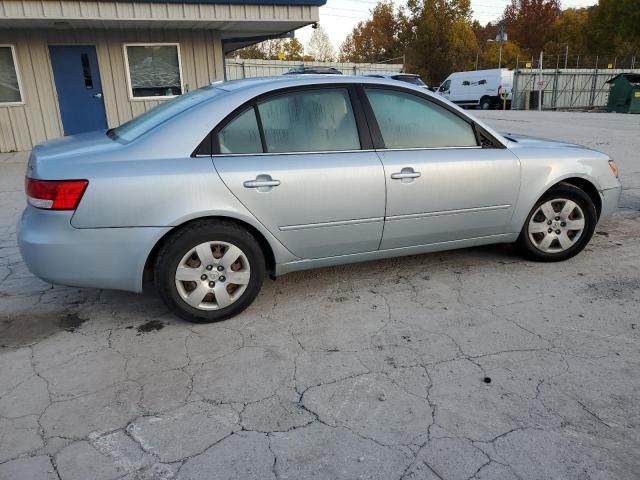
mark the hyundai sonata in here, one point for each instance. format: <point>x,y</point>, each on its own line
<point>211,191</point>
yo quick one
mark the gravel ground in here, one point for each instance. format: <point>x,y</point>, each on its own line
<point>467,364</point>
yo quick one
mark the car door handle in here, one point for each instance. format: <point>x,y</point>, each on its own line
<point>406,173</point>
<point>261,183</point>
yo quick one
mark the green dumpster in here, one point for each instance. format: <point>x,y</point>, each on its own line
<point>624,93</point>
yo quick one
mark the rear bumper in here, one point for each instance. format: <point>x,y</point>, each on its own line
<point>610,201</point>
<point>111,258</point>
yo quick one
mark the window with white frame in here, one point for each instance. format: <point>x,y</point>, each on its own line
<point>153,70</point>
<point>10,91</point>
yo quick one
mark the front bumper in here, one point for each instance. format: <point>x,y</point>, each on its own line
<point>610,201</point>
<point>111,258</point>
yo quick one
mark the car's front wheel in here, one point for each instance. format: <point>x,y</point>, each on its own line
<point>209,271</point>
<point>560,225</point>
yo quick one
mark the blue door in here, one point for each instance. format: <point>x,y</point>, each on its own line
<point>75,69</point>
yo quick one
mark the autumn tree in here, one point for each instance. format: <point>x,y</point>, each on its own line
<point>376,39</point>
<point>571,31</point>
<point>320,46</point>
<point>285,49</point>
<point>615,27</point>
<point>484,33</point>
<point>529,22</point>
<point>490,56</point>
<point>438,38</point>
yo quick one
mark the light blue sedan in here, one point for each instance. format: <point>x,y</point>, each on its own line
<point>211,191</point>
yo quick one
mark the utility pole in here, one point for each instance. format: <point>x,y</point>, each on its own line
<point>566,56</point>
<point>501,38</point>
<point>540,84</point>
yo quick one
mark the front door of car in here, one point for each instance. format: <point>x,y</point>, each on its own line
<point>295,161</point>
<point>441,185</point>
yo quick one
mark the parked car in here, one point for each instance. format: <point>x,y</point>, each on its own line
<point>411,78</point>
<point>214,189</point>
<point>313,71</point>
<point>479,88</point>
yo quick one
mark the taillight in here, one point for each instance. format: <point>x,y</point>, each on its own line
<point>55,194</point>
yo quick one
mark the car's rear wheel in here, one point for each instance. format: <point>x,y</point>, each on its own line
<point>209,271</point>
<point>486,103</point>
<point>560,225</point>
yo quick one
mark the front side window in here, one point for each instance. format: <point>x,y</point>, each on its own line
<point>409,121</point>
<point>445,86</point>
<point>154,70</point>
<point>9,79</point>
<point>241,135</point>
<point>309,121</point>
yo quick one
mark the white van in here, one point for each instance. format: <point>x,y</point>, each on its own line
<point>478,88</point>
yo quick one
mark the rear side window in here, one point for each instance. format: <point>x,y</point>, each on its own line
<point>241,135</point>
<point>309,121</point>
<point>409,121</point>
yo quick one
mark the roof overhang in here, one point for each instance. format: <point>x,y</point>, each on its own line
<point>240,19</point>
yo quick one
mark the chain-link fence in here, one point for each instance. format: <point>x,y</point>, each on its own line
<point>237,69</point>
<point>563,82</point>
<point>562,89</point>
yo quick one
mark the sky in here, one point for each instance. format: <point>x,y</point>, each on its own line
<point>338,17</point>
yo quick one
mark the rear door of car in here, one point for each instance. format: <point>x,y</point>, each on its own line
<point>444,182</point>
<point>301,160</point>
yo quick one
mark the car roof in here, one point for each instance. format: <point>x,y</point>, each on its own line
<point>390,74</point>
<point>304,79</point>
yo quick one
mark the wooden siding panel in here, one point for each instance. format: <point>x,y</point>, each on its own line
<point>34,9</point>
<point>32,107</point>
<point>106,78</point>
<point>119,79</point>
<point>200,58</point>
<point>210,54</point>
<point>124,10</point>
<point>20,128</point>
<point>51,9</point>
<point>93,11</point>
<point>160,10</point>
<point>187,60</point>
<point>13,9</point>
<point>7,140</point>
<point>218,56</point>
<point>71,9</point>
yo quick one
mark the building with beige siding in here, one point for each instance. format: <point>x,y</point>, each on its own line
<point>69,66</point>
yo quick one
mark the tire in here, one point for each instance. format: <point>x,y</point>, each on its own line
<point>571,241</point>
<point>234,253</point>
<point>486,103</point>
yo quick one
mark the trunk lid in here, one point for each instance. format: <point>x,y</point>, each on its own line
<point>47,158</point>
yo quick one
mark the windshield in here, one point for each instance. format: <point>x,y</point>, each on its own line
<point>410,79</point>
<point>150,119</point>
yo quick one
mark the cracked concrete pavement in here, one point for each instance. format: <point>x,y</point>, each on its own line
<point>458,365</point>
